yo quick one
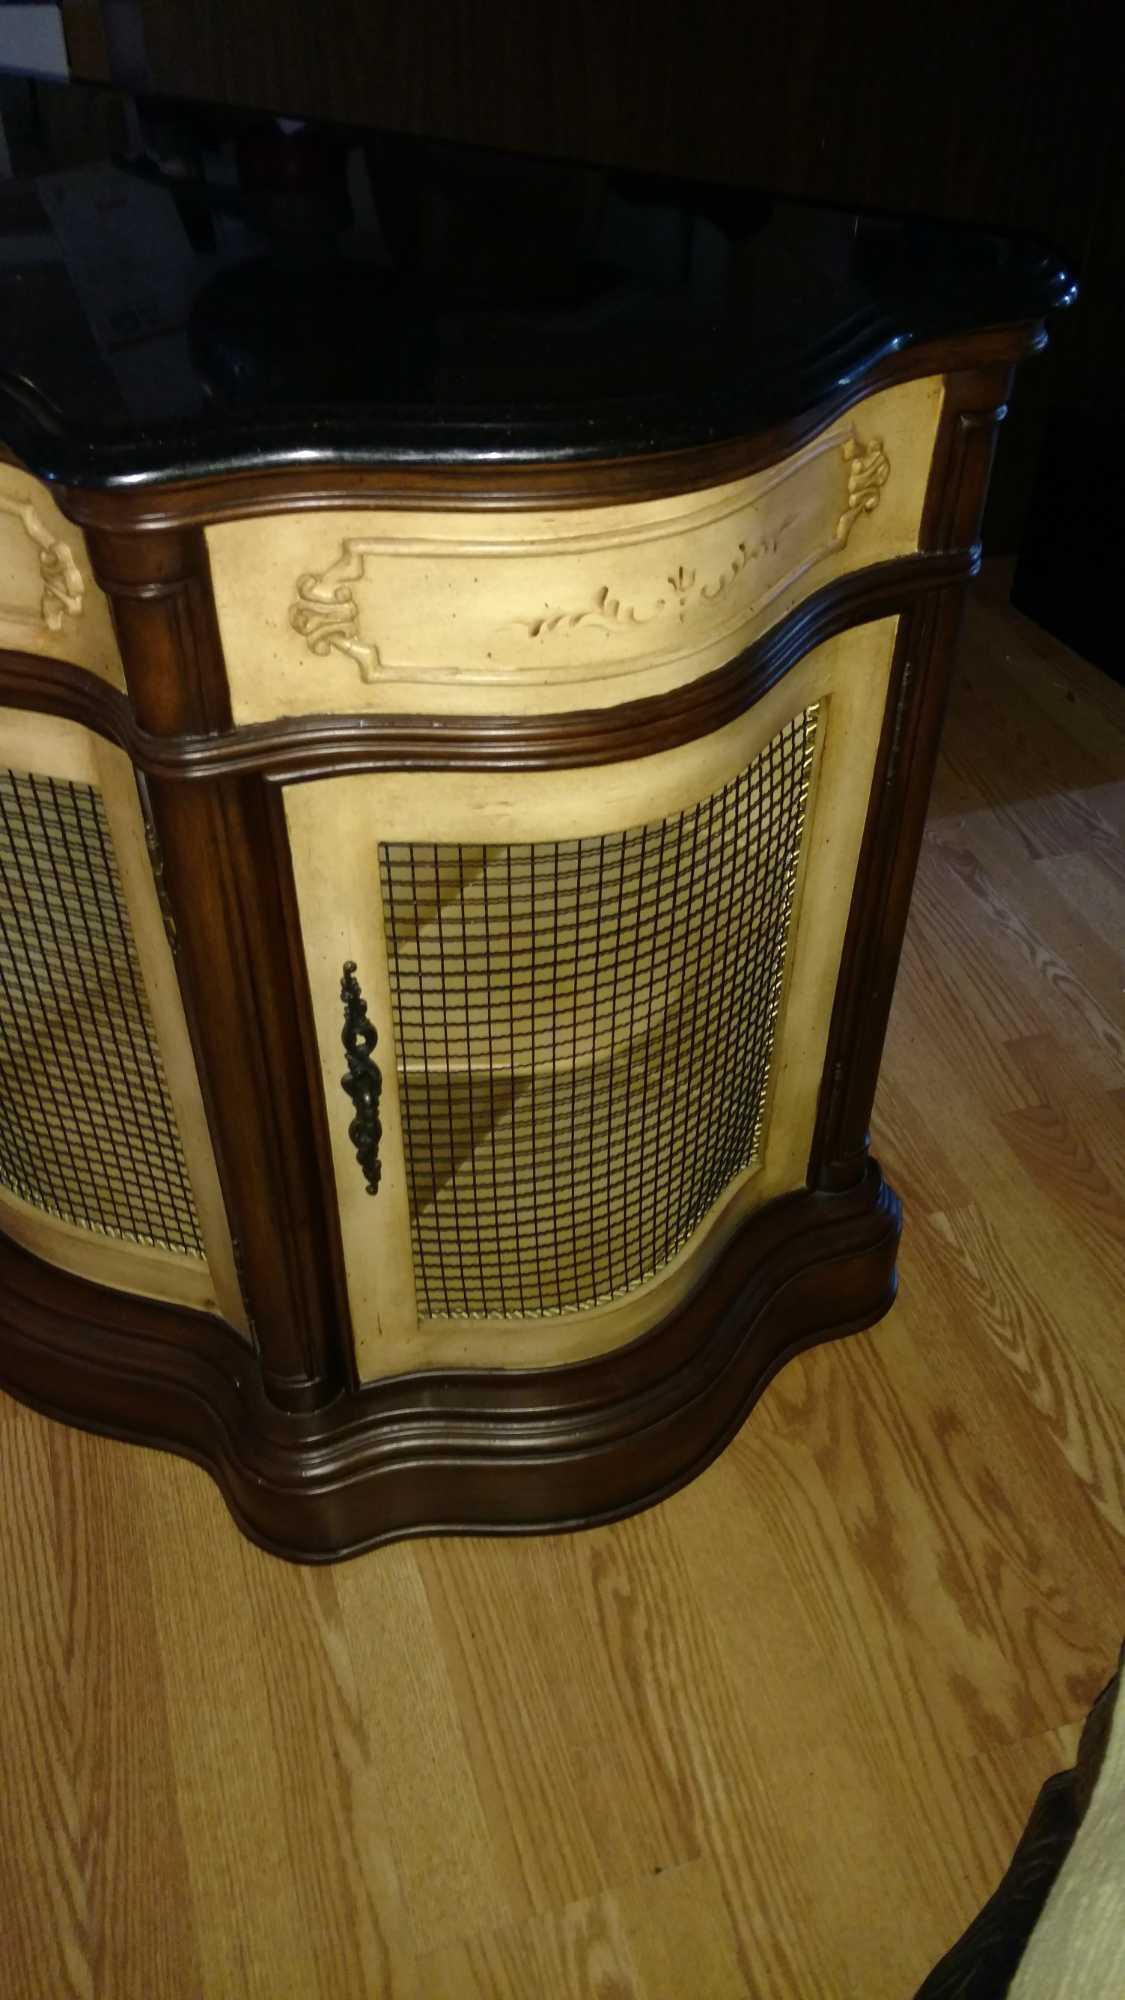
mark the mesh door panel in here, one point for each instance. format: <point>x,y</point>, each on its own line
<point>583,1039</point>
<point>87,1130</point>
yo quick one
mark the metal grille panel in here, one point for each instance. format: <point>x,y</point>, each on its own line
<point>87,1129</point>
<point>583,1039</point>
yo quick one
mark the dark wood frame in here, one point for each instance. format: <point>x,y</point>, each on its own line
<point>312,1464</point>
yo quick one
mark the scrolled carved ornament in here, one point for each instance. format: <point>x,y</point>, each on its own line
<point>57,581</point>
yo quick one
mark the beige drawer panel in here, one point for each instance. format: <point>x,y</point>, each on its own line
<point>49,602</point>
<point>458,612</point>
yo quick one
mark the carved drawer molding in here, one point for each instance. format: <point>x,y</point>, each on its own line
<point>562,609</point>
<point>772,537</point>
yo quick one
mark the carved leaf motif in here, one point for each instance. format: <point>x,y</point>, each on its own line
<point>688,593</point>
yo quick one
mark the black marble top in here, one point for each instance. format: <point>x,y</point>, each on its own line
<point>290,296</point>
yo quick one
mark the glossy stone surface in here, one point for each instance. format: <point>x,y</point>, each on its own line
<point>362,299</point>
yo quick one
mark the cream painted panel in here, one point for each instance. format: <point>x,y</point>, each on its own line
<point>341,918</point>
<point>49,602</point>
<point>502,612</point>
<point>50,746</point>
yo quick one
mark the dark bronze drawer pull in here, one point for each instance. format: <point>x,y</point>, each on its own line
<point>362,1080</point>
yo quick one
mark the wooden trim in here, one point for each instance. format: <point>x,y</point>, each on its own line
<point>920,681</point>
<point>299,1017</point>
<point>221,877</point>
<point>167,627</point>
<point>481,1451</point>
<point>245,1012</point>
<point>407,477</point>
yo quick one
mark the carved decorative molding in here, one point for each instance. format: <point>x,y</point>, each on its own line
<point>684,592</point>
<point>687,603</point>
<point>62,582</point>
<point>326,613</point>
<point>869,469</point>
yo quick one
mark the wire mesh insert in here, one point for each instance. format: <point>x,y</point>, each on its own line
<point>583,1039</point>
<point>87,1130</point>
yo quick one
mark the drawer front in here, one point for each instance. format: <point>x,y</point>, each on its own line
<point>49,602</point>
<point>591,1016</point>
<point>518,613</point>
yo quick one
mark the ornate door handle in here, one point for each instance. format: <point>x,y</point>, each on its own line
<point>361,1079</point>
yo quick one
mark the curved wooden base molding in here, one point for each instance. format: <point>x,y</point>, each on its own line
<point>470,1452</point>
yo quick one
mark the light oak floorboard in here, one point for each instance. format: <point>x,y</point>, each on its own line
<point>775,1738</point>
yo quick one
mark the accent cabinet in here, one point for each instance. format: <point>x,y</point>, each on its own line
<point>450,897</point>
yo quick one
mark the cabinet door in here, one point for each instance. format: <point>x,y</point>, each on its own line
<point>106,1166</point>
<point>601,999</point>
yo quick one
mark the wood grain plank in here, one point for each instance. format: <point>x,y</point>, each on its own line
<point>934,1032</point>
<point>456,1880</point>
<point>1057,1261</point>
<point>989,1282</point>
<point>1023,791</point>
<point>679,1935</point>
<point>1081,1170</point>
<point>49,1945</point>
<point>230,1771</point>
<point>1064,1070</point>
<point>345,1878</point>
<point>1062,936</point>
<point>831,1716</point>
<point>499,1654</point>
<point>550,1658</point>
<point>951,929</point>
<point>922,1171</point>
<point>83,1680</point>
<point>994,929</point>
<point>946,1628</point>
<point>581,1953</point>
<point>981,1591</point>
<point>711,1723</point>
<point>1095,892</point>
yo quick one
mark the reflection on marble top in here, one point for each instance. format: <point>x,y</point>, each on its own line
<point>285,296</point>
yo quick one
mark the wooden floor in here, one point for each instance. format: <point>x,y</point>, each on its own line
<point>775,1738</point>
